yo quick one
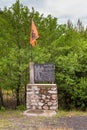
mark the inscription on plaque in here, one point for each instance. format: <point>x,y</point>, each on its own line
<point>44,73</point>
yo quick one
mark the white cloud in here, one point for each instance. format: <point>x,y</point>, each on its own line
<point>71,8</point>
<point>6,3</point>
<point>62,9</point>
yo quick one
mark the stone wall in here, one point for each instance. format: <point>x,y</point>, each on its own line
<point>41,97</point>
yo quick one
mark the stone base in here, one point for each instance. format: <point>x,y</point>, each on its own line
<point>44,113</point>
<point>41,97</point>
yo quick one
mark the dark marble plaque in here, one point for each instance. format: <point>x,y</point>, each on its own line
<point>44,73</point>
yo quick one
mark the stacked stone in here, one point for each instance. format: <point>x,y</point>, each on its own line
<point>42,97</point>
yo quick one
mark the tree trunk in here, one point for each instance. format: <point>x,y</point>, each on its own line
<point>1,97</point>
<point>17,96</point>
<point>18,90</point>
<point>25,94</point>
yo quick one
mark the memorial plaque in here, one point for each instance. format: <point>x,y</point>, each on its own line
<point>44,73</point>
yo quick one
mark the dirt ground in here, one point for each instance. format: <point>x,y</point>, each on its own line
<point>16,121</point>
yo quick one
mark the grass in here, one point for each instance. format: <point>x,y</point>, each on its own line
<point>10,113</point>
<point>62,113</point>
<point>4,123</point>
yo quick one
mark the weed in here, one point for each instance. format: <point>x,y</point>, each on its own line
<point>3,109</point>
<point>21,107</point>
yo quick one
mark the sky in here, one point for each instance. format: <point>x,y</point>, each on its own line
<point>61,9</point>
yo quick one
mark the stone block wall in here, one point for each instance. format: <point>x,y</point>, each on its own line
<point>41,97</point>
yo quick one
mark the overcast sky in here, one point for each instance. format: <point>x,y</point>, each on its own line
<point>61,9</point>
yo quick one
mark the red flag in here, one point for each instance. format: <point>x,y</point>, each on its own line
<point>33,34</point>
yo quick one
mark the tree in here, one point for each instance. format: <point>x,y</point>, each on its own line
<point>68,51</point>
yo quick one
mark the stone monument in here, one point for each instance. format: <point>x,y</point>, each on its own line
<point>41,93</point>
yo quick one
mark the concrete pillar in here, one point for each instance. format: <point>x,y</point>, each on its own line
<point>31,73</point>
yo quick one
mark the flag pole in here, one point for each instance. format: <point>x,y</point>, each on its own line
<point>33,37</point>
<point>31,54</point>
<point>31,64</point>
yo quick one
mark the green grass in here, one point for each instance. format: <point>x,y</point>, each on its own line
<point>10,113</point>
<point>62,113</point>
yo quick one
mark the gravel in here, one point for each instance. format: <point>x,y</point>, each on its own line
<point>36,123</point>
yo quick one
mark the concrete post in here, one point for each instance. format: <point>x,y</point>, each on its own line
<point>31,73</point>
